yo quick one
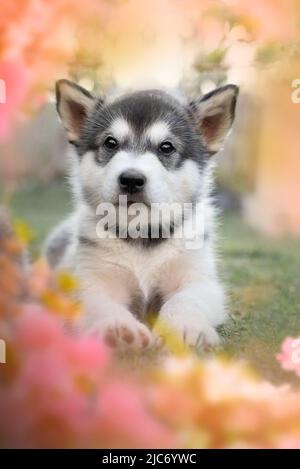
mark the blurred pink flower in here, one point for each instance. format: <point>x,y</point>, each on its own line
<point>14,87</point>
<point>36,330</point>
<point>226,405</point>
<point>123,416</point>
<point>64,391</point>
<point>267,19</point>
<point>289,442</point>
<point>289,358</point>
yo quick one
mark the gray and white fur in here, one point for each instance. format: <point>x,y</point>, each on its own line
<point>153,148</point>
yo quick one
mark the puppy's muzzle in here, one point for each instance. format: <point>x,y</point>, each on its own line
<point>132,182</point>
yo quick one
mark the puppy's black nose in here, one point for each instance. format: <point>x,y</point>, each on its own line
<point>132,181</point>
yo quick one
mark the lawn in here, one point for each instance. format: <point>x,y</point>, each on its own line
<point>263,278</point>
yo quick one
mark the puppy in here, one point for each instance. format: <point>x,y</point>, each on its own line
<point>150,151</point>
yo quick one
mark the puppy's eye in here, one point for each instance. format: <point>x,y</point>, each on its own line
<point>166,148</point>
<point>111,143</point>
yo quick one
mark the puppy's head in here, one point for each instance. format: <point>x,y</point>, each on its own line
<point>146,145</point>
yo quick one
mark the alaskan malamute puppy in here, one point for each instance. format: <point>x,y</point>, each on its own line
<point>141,238</point>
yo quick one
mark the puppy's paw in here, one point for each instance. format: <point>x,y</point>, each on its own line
<point>195,334</point>
<point>123,333</point>
<point>134,335</point>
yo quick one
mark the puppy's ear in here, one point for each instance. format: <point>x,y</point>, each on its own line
<point>214,113</point>
<point>73,103</point>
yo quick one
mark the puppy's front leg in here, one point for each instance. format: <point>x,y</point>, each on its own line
<point>105,317</point>
<point>194,312</point>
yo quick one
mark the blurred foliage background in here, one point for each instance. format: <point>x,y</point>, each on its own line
<point>196,45</point>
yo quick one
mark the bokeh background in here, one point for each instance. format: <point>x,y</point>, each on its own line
<point>195,45</point>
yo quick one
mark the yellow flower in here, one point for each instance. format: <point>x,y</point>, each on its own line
<point>66,282</point>
<point>23,232</point>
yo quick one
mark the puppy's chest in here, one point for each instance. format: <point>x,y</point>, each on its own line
<point>150,269</point>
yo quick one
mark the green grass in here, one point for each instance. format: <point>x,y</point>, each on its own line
<point>41,208</point>
<point>263,277</point>
<point>264,281</point>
